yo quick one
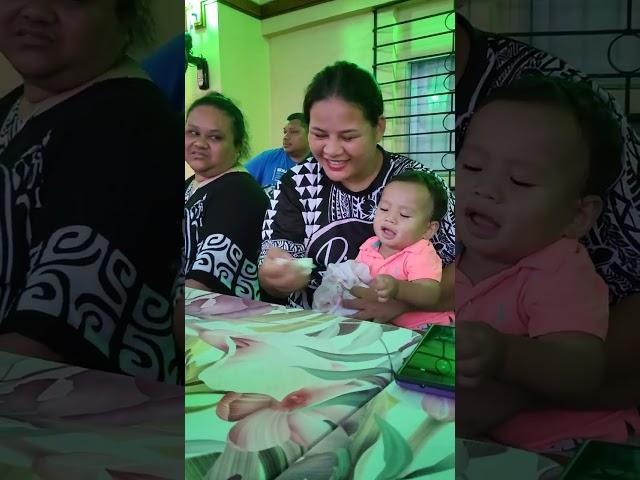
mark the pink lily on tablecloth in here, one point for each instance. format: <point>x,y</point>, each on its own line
<point>264,422</point>
<point>226,307</point>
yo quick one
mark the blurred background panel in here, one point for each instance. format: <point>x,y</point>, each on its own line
<point>168,16</point>
<point>602,39</point>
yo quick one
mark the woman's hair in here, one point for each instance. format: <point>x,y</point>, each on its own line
<point>349,82</point>
<point>222,103</point>
<point>435,186</point>
<point>136,17</point>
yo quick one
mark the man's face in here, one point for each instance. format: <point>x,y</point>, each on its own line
<point>295,140</point>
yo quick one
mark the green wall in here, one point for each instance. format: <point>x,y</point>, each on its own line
<point>266,65</point>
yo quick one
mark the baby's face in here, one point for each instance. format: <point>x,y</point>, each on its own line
<point>518,179</point>
<point>403,215</point>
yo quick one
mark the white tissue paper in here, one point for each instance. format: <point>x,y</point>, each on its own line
<point>336,283</point>
<point>305,264</point>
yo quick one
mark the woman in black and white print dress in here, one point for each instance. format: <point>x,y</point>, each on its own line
<point>90,192</point>
<point>324,207</point>
<point>224,205</point>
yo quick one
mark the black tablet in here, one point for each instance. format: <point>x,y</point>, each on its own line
<point>431,368</point>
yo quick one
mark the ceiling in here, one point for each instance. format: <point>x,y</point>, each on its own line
<point>270,8</point>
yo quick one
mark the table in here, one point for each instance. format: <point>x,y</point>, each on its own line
<point>64,422</point>
<point>482,460</point>
<point>274,392</point>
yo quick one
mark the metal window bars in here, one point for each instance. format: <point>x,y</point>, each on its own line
<point>620,78</point>
<point>414,64</point>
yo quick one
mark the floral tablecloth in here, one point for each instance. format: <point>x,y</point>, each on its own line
<point>401,442</point>
<point>286,394</point>
<point>399,434</point>
<point>265,384</point>
<point>62,422</point>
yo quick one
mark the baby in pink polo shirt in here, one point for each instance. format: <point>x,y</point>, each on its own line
<point>531,311</point>
<point>401,259</point>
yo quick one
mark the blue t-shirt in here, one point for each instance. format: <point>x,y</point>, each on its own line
<point>267,167</point>
<point>165,66</point>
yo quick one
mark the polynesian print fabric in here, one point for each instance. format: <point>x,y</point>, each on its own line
<point>310,216</point>
<point>72,275</point>
<point>614,243</point>
<point>222,236</point>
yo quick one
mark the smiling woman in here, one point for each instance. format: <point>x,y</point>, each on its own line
<point>90,212</point>
<point>324,207</point>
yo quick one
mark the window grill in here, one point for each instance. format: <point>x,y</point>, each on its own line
<point>616,40</point>
<point>414,64</point>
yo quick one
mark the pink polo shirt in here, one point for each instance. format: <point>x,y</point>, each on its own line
<point>419,261</point>
<point>554,290</point>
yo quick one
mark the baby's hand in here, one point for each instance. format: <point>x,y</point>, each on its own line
<point>386,287</point>
<point>480,353</point>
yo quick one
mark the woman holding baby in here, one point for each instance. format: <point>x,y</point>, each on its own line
<point>90,201</point>
<point>324,208</point>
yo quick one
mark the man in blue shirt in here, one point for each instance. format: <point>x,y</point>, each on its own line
<point>267,167</point>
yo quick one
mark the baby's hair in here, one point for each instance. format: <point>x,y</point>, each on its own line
<point>600,130</point>
<point>435,185</point>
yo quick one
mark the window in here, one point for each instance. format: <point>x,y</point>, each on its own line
<point>414,64</point>
<point>431,126</point>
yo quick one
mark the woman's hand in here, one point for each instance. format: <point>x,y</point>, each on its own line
<point>279,274</point>
<point>370,308</point>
